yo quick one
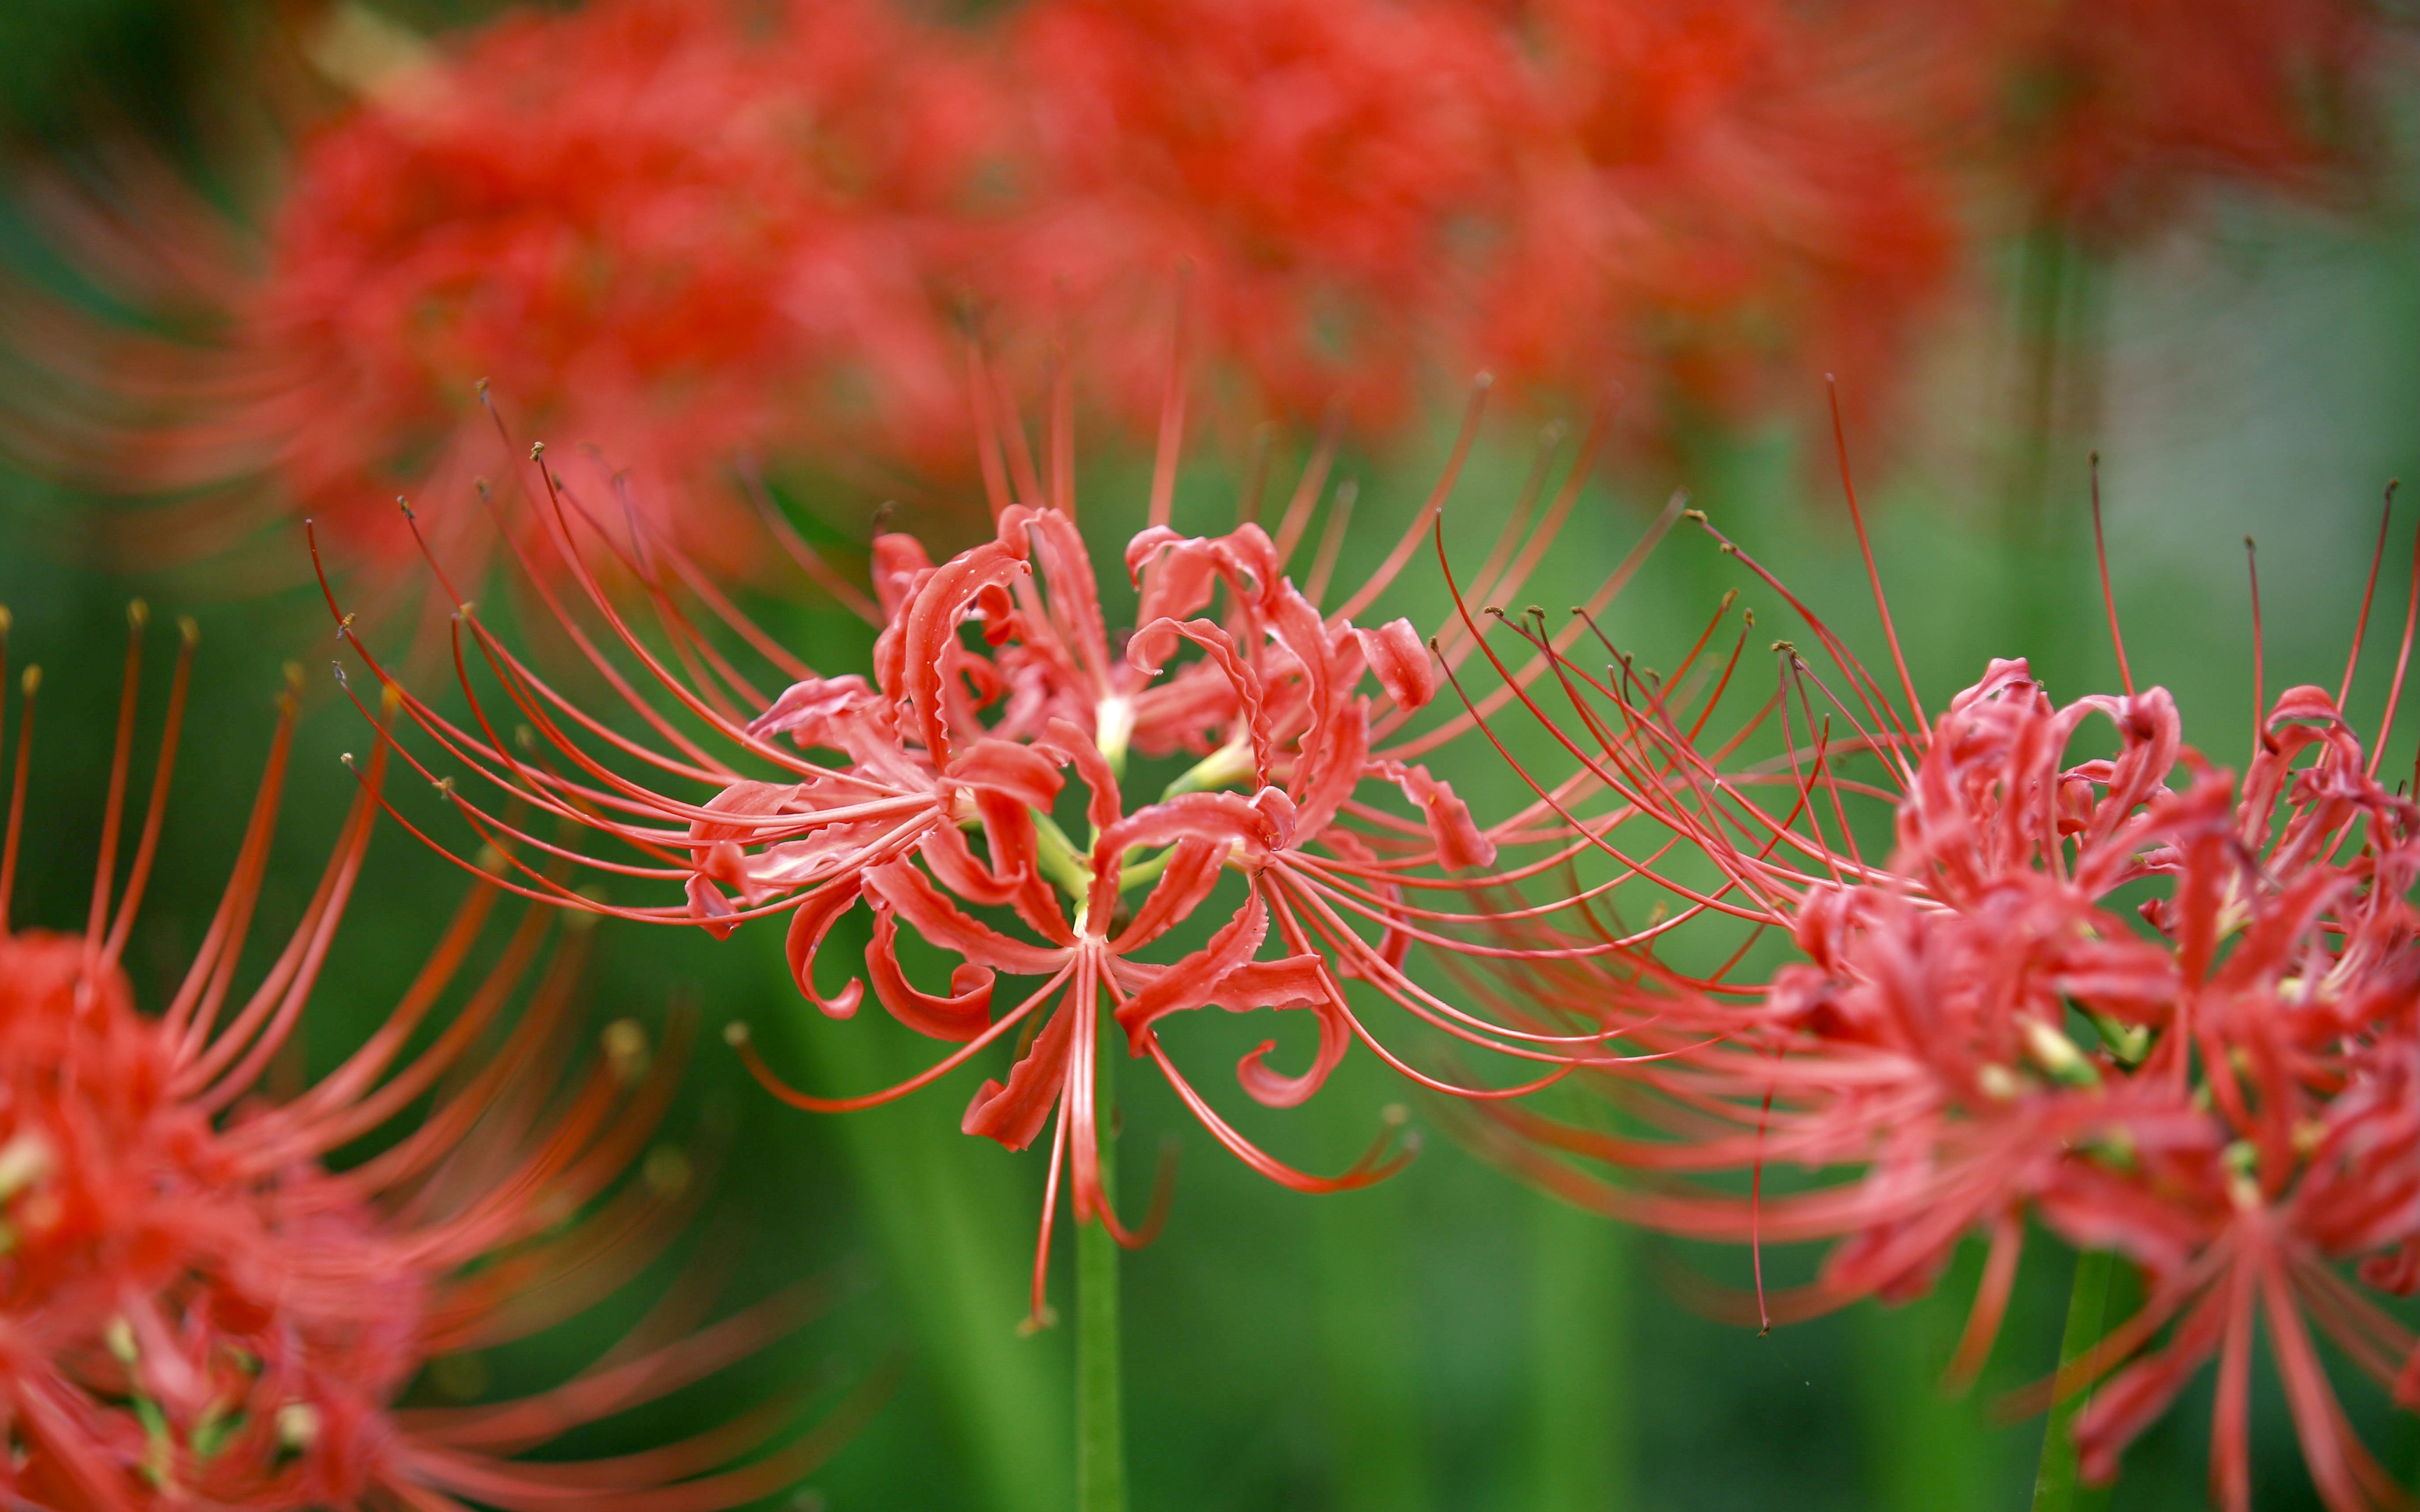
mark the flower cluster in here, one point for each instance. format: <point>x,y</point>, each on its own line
<point>2103,120</point>
<point>1002,713</point>
<point>200,1310</point>
<point>684,231</point>
<point>2165,1013</point>
<point>694,231</point>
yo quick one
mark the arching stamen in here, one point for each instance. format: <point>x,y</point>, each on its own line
<point>192,1013</point>
<point>1756,1216</point>
<point>1039,1315</point>
<point>2108,597</point>
<point>1258,459</point>
<point>2260,695</point>
<point>1866,549</point>
<point>138,615</point>
<point>1306,490</point>
<point>157,807</point>
<point>809,560</point>
<point>31,683</point>
<point>988,452</point>
<point>1331,540</point>
<point>2402,662</point>
<point>1062,431</point>
<point>2360,624</point>
<point>1172,416</point>
<point>1379,580</point>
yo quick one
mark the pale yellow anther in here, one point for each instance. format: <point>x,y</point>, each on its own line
<point>23,1161</point>
<point>2056,1054</point>
<point>297,1425</point>
<point>625,1050</point>
<point>2242,1160</point>
<point>1999,1083</point>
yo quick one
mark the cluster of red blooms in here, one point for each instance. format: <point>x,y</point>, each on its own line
<point>197,1310</point>
<point>687,229</point>
<point>642,222</point>
<point>931,794</point>
<point>2104,117</point>
<point>2222,1089</point>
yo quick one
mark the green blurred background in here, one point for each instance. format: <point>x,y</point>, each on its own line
<point>1448,1340</point>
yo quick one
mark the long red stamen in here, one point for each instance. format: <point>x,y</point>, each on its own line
<point>2108,595</point>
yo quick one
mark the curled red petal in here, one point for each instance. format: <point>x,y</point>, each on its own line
<point>808,923</point>
<point>1400,659</point>
<point>1295,982</point>
<point>1461,845</point>
<point>1191,982</point>
<point>958,1018</point>
<point>1014,1113</point>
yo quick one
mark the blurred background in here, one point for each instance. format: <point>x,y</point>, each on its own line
<point>2226,305</point>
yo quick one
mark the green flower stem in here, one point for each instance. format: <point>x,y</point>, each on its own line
<point>1101,1401</point>
<point>1369,1327</point>
<point>1582,1424</point>
<point>1926,1448</point>
<point>2058,1486</point>
<point>956,1241</point>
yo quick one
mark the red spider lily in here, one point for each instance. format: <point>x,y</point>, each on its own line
<point>668,226</point>
<point>201,1312</point>
<point>1709,193</point>
<point>958,735</point>
<point>2108,116</point>
<point>2244,1125</point>
<point>1580,193</point>
<point>1314,168</point>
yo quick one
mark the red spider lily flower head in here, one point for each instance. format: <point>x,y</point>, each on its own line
<point>1709,197</point>
<point>201,1311</point>
<point>1311,169</point>
<point>688,229</point>
<point>2108,116</point>
<point>929,793</point>
<point>2223,1088</point>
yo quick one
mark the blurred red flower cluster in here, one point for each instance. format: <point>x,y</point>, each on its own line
<point>686,230</point>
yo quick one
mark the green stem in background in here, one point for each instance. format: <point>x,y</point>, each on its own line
<point>1926,1447</point>
<point>955,1248</point>
<point>1368,1335</point>
<point>1101,1401</point>
<point>2058,1486</point>
<point>1582,1440</point>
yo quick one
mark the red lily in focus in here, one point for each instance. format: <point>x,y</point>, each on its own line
<point>197,1310</point>
<point>2225,1093</point>
<point>995,685</point>
<point>661,224</point>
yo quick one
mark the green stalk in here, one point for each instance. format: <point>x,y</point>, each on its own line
<point>955,1244</point>
<point>1101,1401</point>
<point>1368,1326</point>
<point>1582,1447</point>
<point>1925,1448</point>
<point>2058,1486</point>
